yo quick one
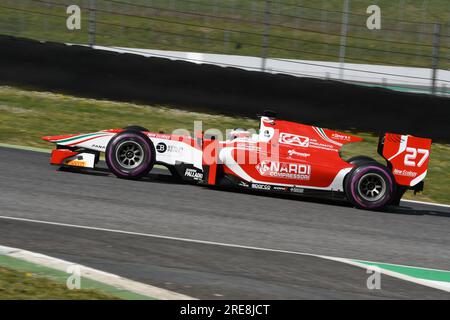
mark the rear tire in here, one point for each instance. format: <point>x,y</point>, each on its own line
<point>360,159</point>
<point>130,155</point>
<point>370,186</point>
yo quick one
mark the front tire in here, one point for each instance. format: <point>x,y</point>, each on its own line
<point>136,128</point>
<point>130,155</point>
<point>370,186</point>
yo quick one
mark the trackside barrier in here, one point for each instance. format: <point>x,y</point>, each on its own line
<point>93,73</point>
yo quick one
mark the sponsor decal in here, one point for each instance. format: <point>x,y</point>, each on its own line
<point>261,186</point>
<point>294,140</point>
<point>76,163</point>
<point>299,154</point>
<point>96,146</point>
<point>244,146</point>
<point>161,147</point>
<point>243,184</point>
<point>304,142</point>
<point>342,137</point>
<point>194,174</point>
<point>279,188</point>
<point>159,135</point>
<point>297,190</point>
<point>275,169</point>
<point>323,146</point>
<point>324,136</point>
<point>175,149</point>
<point>405,173</point>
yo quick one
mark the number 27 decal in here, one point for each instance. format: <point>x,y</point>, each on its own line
<point>412,154</point>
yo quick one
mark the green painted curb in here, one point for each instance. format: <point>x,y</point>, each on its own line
<point>61,277</point>
<point>419,273</point>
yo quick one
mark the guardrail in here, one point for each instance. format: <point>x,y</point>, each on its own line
<point>283,34</point>
<point>407,79</point>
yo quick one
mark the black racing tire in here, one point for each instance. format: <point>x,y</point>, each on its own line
<point>136,128</point>
<point>370,186</point>
<point>360,159</point>
<point>130,155</point>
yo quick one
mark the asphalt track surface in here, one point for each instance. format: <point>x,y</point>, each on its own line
<point>416,235</point>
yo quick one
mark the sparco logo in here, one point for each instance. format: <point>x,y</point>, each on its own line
<point>285,170</point>
<point>260,186</point>
<point>294,140</point>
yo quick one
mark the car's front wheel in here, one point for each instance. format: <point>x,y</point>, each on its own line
<point>370,186</point>
<point>130,155</point>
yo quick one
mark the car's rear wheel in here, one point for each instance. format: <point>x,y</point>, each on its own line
<point>370,186</point>
<point>130,155</point>
<point>360,159</point>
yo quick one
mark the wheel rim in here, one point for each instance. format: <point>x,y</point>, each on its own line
<point>129,154</point>
<point>372,187</point>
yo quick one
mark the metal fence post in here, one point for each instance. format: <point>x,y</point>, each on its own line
<point>91,27</point>
<point>45,19</point>
<point>324,17</point>
<point>435,62</point>
<point>344,31</point>
<point>226,41</point>
<point>401,8</point>
<point>265,43</point>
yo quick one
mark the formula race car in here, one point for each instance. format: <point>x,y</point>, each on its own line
<point>283,156</point>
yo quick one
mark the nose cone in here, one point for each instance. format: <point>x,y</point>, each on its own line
<point>56,138</point>
<point>47,138</point>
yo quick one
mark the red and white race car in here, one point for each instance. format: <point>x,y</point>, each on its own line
<point>283,157</point>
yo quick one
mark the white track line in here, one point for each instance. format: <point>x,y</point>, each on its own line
<point>94,274</point>
<point>427,203</point>
<point>427,283</point>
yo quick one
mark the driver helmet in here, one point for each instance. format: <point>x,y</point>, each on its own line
<point>239,133</point>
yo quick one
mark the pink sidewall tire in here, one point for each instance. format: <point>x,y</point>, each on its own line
<point>370,186</point>
<point>130,155</point>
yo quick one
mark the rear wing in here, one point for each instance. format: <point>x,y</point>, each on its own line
<point>407,156</point>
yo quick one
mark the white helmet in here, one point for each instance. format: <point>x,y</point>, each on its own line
<point>238,133</point>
